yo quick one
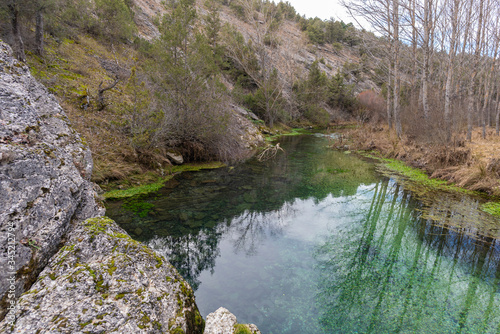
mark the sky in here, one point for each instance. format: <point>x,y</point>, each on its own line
<point>324,9</point>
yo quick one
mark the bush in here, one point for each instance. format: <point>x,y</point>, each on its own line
<point>238,10</point>
<point>337,46</point>
<point>115,20</point>
<point>373,104</point>
<point>341,95</point>
<point>317,115</point>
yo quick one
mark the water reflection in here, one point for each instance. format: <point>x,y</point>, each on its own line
<point>397,272</point>
<point>317,242</point>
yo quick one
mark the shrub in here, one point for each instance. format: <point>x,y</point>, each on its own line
<point>318,115</point>
<point>374,104</point>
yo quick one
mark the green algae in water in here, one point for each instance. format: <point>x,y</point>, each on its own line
<point>316,241</point>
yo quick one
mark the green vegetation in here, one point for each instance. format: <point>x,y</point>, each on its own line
<point>417,175</point>
<point>493,208</point>
<point>318,92</point>
<point>331,31</point>
<point>135,100</point>
<point>155,186</point>
<point>241,329</point>
<point>291,132</point>
<point>420,178</point>
<point>135,191</point>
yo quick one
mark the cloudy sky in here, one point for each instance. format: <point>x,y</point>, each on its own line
<point>324,9</point>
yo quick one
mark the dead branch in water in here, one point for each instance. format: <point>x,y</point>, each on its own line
<point>270,152</point>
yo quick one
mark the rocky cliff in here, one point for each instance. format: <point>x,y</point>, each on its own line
<point>66,268</point>
<point>45,170</point>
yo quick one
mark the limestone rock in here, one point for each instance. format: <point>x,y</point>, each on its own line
<point>224,322</point>
<point>103,281</point>
<point>45,170</point>
<point>175,158</point>
<point>243,112</point>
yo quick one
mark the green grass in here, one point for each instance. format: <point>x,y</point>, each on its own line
<point>416,175</point>
<point>492,206</point>
<point>155,186</point>
<point>292,132</point>
<point>241,329</point>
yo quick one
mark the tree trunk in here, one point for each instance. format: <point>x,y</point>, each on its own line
<point>389,72</point>
<point>470,110</point>
<point>396,110</point>
<point>389,97</point>
<point>427,50</point>
<point>497,112</point>
<point>486,102</point>
<point>39,48</point>
<point>16,32</point>
<point>475,69</point>
<point>447,100</point>
<point>449,75</point>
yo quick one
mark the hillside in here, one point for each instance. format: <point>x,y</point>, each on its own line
<point>144,81</point>
<point>113,77</point>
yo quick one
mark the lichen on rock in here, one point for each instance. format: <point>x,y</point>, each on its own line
<point>45,170</point>
<point>104,281</point>
<point>224,322</point>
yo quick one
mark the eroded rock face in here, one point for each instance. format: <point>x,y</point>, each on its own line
<point>45,170</point>
<point>103,281</point>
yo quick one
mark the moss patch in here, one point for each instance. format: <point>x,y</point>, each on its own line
<point>416,175</point>
<point>422,179</point>
<point>241,329</point>
<point>493,208</point>
<point>155,186</point>
<point>139,190</point>
<point>291,132</point>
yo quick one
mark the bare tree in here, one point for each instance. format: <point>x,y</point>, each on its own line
<point>397,79</point>
<point>455,9</point>
<point>475,66</point>
<point>382,15</point>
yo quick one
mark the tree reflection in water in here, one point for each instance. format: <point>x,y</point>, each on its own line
<point>316,242</point>
<point>401,271</point>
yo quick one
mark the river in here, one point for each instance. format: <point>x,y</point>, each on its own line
<point>319,241</point>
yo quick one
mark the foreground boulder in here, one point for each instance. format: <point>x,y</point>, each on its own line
<point>103,281</point>
<point>224,322</point>
<point>45,170</point>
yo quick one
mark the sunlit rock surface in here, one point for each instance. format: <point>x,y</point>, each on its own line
<point>224,322</point>
<point>45,170</point>
<point>103,281</point>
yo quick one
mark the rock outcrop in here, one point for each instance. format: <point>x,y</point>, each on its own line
<point>45,170</point>
<point>103,281</point>
<point>76,270</point>
<point>224,322</point>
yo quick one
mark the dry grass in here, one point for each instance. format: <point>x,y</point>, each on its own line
<point>474,166</point>
<point>72,70</point>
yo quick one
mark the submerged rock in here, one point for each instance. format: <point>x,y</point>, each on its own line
<point>103,281</point>
<point>224,322</point>
<point>45,170</point>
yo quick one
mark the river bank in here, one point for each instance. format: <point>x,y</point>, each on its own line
<point>277,240</point>
<point>468,166</point>
<point>145,183</point>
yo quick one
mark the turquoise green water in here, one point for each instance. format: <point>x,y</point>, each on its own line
<point>316,241</point>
